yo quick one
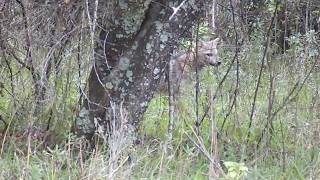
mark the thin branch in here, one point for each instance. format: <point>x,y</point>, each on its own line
<point>260,76</point>
<point>198,123</point>
<point>200,145</point>
<point>218,88</point>
<point>288,99</point>
<point>176,9</point>
<point>236,56</point>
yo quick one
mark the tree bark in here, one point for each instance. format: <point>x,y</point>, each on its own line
<point>129,64</point>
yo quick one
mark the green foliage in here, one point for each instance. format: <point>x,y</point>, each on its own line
<point>274,5</point>
<point>283,146</point>
<point>236,170</point>
<point>291,146</point>
<point>204,34</point>
<point>41,165</point>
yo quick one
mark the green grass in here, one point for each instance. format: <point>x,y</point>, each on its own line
<point>290,151</point>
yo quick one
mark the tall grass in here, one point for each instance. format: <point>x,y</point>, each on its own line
<point>289,149</point>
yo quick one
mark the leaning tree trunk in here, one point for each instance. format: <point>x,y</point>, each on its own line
<point>130,58</point>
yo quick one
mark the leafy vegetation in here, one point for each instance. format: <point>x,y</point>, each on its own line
<point>262,106</point>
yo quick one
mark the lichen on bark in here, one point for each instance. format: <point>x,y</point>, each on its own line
<point>132,54</point>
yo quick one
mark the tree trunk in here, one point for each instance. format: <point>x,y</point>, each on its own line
<point>129,61</point>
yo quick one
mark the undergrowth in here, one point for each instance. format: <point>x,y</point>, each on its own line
<point>285,146</point>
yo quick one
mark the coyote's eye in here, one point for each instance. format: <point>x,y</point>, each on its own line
<point>209,54</point>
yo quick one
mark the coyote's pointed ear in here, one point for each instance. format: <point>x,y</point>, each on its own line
<point>216,41</point>
<point>209,43</point>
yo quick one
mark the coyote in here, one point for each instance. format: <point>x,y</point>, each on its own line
<point>207,55</point>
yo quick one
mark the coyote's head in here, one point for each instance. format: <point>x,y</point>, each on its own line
<point>208,53</point>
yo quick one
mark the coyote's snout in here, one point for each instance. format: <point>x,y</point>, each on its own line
<point>206,54</point>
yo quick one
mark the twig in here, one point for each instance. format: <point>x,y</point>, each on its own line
<point>176,9</point>
<point>168,147</point>
<point>288,99</point>
<point>198,123</point>
<point>204,152</point>
<point>218,89</point>
<point>234,101</point>
<point>260,76</point>
<point>202,148</point>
